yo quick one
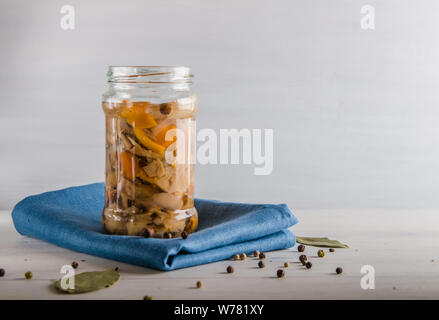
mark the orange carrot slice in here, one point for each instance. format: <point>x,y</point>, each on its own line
<point>129,164</point>
<point>136,114</point>
<point>147,142</point>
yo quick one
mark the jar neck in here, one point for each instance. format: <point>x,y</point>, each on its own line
<point>155,84</point>
<point>149,76</point>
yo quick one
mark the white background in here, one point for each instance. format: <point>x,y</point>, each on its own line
<point>355,112</point>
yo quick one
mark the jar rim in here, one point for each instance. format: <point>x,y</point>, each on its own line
<point>150,74</point>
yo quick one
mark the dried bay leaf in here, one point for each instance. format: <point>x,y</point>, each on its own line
<point>321,242</point>
<point>90,281</point>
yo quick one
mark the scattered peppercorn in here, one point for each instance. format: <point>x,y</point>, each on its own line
<point>331,250</point>
<point>147,233</point>
<point>262,256</point>
<point>147,298</point>
<point>243,256</point>
<point>199,284</point>
<point>301,248</point>
<point>2,272</point>
<point>256,253</point>
<point>280,273</point>
<point>286,264</point>
<point>230,269</point>
<point>167,235</point>
<point>116,269</point>
<point>303,258</point>
<point>75,264</point>
<point>184,235</point>
<point>339,270</point>
<point>261,264</point>
<point>321,253</point>
<point>236,257</point>
<point>308,265</point>
<point>28,275</point>
<point>165,108</point>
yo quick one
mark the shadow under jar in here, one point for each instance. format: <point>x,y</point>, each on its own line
<point>150,138</point>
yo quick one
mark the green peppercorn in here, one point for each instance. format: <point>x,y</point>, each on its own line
<point>243,256</point>
<point>321,253</point>
<point>28,275</point>
<point>236,257</point>
<point>230,269</point>
<point>261,264</point>
<point>147,298</point>
<point>262,256</point>
<point>339,270</point>
<point>75,264</point>
<point>308,265</point>
<point>280,273</point>
<point>199,284</point>
<point>2,272</point>
<point>301,248</point>
<point>331,250</point>
<point>256,253</point>
<point>286,264</point>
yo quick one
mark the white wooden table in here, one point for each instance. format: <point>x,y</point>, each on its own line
<point>401,245</point>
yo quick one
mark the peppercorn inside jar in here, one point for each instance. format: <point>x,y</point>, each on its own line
<point>150,131</point>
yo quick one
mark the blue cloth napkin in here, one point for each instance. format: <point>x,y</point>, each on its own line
<point>71,218</point>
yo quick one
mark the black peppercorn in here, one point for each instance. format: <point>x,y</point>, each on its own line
<point>339,270</point>
<point>147,233</point>
<point>116,269</point>
<point>301,248</point>
<point>303,258</point>
<point>261,264</point>
<point>167,235</point>
<point>75,264</point>
<point>184,235</point>
<point>331,250</point>
<point>308,265</point>
<point>230,269</point>
<point>280,273</point>
<point>262,256</point>
<point>2,272</point>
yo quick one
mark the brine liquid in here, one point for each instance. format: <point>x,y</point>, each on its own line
<point>149,180</point>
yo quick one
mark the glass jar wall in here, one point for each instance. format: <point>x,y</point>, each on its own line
<point>150,131</point>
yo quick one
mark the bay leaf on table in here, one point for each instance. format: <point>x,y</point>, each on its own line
<point>321,242</point>
<point>90,281</point>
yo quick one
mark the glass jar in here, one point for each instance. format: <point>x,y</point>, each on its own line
<point>150,138</point>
